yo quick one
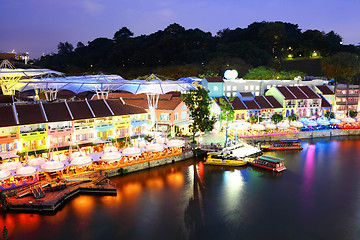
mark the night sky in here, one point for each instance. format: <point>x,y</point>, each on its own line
<point>37,26</point>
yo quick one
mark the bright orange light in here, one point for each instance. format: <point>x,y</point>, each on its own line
<point>132,190</point>
<point>83,205</point>
<point>175,179</point>
<point>155,183</point>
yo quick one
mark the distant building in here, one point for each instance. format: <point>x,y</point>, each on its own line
<point>215,86</point>
<point>346,98</point>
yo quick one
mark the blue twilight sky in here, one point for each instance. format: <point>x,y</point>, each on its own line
<point>37,26</point>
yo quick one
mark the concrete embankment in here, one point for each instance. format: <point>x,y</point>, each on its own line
<point>303,135</point>
<point>149,164</point>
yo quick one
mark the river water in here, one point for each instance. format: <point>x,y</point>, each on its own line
<point>317,197</point>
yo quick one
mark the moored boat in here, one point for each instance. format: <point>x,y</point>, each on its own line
<point>222,159</point>
<point>269,162</point>
<point>282,145</point>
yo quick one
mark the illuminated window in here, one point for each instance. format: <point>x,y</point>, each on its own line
<point>234,88</point>
<point>228,88</point>
<point>257,87</point>
<point>252,87</point>
<point>183,114</point>
<point>216,88</point>
<point>183,107</point>
<point>246,88</point>
<point>176,116</point>
<point>164,117</point>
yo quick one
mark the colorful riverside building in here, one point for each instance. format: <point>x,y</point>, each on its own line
<point>171,113</point>
<point>300,100</point>
<point>245,105</point>
<point>38,127</point>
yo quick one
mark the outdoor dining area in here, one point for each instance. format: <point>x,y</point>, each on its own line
<point>245,129</point>
<point>16,173</point>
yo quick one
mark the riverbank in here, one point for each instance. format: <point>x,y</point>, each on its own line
<point>86,184</point>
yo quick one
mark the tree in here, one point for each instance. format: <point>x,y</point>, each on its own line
<point>330,115</point>
<point>80,45</point>
<point>344,65</point>
<point>293,117</point>
<point>198,102</point>
<point>227,114</point>
<point>254,119</point>
<point>123,33</point>
<point>276,118</point>
<point>352,113</point>
<point>64,48</point>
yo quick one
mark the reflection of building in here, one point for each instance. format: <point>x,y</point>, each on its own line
<point>347,98</point>
<point>27,127</point>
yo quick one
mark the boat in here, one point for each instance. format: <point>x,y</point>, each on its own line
<point>269,162</point>
<point>222,159</point>
<point>282,145</point>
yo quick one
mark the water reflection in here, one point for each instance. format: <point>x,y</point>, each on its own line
<point>187,200</point>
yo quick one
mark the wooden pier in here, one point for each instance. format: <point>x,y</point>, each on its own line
<point>44,200</point>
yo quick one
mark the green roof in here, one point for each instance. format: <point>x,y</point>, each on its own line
<point>270,159</point>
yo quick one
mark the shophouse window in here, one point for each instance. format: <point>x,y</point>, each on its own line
<point>176,116</point>
<point>183,114</point>
<point>164,117</point>
<point>251,87</point>
<point>216,88</point>
<point>246,88</point>
<point>234,88</point>
<point>228,88</point>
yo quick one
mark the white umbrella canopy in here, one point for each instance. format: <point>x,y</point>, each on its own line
<point>270,126</point>
<point>111,156</point>
<point>26,171</point>
<point>52,166</point>
<point>322,121</point>
<point>348,120</point>
<point>10,165</point>
<point>282,125</point>
<point>36,161</point>
<point>296,124</point>
<point>131,151</point>
<point>110,149</point>
<point>258,127</point>
<point>81,160</point>
<point>60,157</point>
<point>4,174</point>
<point>175,143</point>
<point>335,121</point>
<point>311,123</point>
<point>154,147</point>
<point>243,127</point>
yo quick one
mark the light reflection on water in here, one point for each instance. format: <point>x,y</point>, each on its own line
<point>187,200</point>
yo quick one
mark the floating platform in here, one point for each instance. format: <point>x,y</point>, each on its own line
<point>54,199</point>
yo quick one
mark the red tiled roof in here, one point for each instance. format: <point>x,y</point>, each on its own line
<point>325,90</point>
<point>238,104</point>
<point>30,114</point>
<point>263,103</point>
<point>7,116</point>
<point>80,110</point>
<point>274,102</point>
<point>325,103</point>
<point>299,94</point>
<point>251,105</point>
<point>163,104</point>
<point>214,79</point>
<point>309,92</point>
<point>99,108</point>
<point>123,109</point>
<point>247,94</point>
<point>57,112</point>
<point>286,93</point>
